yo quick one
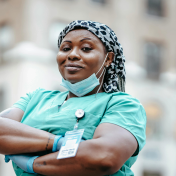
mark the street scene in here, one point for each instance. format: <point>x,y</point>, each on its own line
<point>29,31</point>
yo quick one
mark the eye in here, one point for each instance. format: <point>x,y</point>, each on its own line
<point>86,49</point>
<point>65,49</point>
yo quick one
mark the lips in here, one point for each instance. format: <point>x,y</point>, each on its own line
<point>73,67</point>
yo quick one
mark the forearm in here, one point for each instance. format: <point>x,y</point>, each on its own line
<point>89,160</point>
<point>50,166</point>
<point>16,138</point>
<point>103,155</point>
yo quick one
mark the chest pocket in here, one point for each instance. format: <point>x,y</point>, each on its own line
<point>64,120</point>
<point>89,123</point>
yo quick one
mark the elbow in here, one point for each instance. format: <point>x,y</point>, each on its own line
<point>99,159</point>
<point>109,164</point>
<point>103,161</point>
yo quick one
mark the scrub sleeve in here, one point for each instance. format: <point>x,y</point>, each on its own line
<point>128,113</point>
<point>22,104</point>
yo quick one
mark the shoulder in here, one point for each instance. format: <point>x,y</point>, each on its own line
<point>126,104</point>
<point>38,95</point>
<point>119,97</point>
<point>124,100</point>
<point>43,92</point>
<point>127,112</point>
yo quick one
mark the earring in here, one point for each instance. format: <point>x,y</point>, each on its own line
<point>106,65</point>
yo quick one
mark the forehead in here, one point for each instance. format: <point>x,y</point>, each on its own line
<point>80,34</point>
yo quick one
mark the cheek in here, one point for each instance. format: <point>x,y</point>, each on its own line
<point>94,61</point>
<point>60,60</point>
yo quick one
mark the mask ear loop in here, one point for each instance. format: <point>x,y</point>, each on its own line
<point>104,71</point>
<point>101,66</point>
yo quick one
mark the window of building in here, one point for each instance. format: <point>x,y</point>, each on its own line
<point>174,130</point>
<point>149,173</point>
<point>54,32</point>
<point>155,7</point>
<point>6,39</point>
<point>153,58</point>
<point>6,36</point>
<point>154,114</point>
<point>2,99</point>
<point>100,1</point>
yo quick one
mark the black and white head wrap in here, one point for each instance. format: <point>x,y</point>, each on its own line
<point>114,80</point>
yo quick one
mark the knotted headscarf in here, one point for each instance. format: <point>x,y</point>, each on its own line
<point>114,80</point>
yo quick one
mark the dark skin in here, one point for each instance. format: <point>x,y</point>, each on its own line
<point>81,54</point>
<point>17,138</point>
<point>86,51</point>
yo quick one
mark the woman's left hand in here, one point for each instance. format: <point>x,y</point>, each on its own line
<point>25,162</point>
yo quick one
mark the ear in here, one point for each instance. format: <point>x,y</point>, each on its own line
<point>109,59</point>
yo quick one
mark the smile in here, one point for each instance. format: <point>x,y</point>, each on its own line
<point>73,67</point>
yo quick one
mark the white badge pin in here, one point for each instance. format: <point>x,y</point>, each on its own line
<point>79,114</point>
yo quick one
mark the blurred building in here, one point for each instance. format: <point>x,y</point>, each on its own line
<point>146,29</point>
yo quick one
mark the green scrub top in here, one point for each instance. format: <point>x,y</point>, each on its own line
<point>44,109</point>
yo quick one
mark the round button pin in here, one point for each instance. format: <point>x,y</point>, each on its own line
<point>79,113</point>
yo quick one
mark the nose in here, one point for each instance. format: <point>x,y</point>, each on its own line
<point>74,54</point>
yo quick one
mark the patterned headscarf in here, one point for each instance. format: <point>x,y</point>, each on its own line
<point>114,80</point>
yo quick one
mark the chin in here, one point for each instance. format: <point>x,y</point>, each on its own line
<point>73,80</point>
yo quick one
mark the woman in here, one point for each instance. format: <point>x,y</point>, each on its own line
<point>91,62</point>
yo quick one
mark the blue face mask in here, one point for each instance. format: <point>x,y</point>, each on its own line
<point>85,86</point>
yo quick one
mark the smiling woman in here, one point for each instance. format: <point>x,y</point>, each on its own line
<point>81,55</point>
<point>82,49</point>
<point>85,55</point>
<point>109,125</point>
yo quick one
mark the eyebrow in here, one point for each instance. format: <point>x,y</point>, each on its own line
<point>85,39</point>
<point>68,41</point>
<point>80,40</point>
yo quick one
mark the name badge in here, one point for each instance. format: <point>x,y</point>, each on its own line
<point>70,144</point>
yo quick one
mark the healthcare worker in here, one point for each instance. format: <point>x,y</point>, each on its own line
<point>94,128</point>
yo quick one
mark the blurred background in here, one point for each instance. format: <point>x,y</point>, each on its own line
<point>147,31</point>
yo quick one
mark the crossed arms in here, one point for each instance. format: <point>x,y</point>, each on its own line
<point>105,154</point>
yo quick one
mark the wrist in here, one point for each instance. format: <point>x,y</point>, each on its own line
<point>50,142</point>
<point>35,165</point>
<point>56,140</point>
<point>30,164</point>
